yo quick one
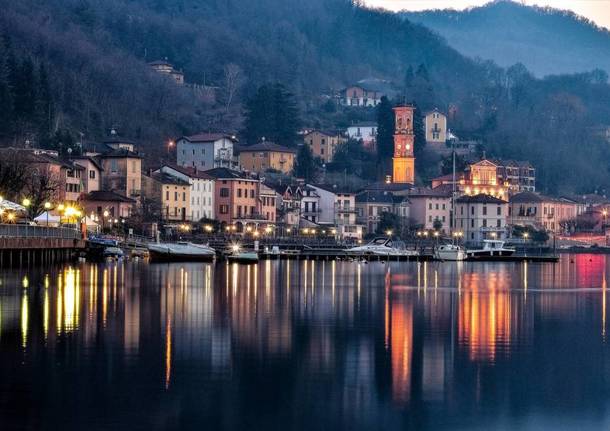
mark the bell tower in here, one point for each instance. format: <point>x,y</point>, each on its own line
<point>403,161</point>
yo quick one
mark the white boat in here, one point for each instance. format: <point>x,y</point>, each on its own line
<point>450,252</point>
<point>114,252</point>
<point>180,251</point>
<point>382,247</point>
<point>491,248</point>
<point>242,256</point>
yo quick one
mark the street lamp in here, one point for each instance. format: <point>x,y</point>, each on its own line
<point>388,232</point>
<point>47,207</point>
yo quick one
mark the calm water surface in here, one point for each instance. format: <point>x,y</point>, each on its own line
<point>306,345</point>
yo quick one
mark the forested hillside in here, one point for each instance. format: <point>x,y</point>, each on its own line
<point>88,63</point>
<point>548,41</point>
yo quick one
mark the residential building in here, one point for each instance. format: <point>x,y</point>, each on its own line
<point>337,206</point>
<point>268,203</point>
<point>206,151</point>
<point>403,162</point>
<point>92,173</point>
<point>175,197</point>
<point>324,144</point>
<point>310,210</point>
<point>116,205</point>
<point>518,176</point>
<point>367,92</point>
<point>430,207</point>
<point>435,127</point>
<point>201,190</point>
<point>480,217</point>
<point>236,198</point>
<point>288,204</point>
<point>542,212</point>
<point>166,68</point>
<point>370,206</point>
<point>122,172</point>
<point>266,155</point>
<point>365,131</point>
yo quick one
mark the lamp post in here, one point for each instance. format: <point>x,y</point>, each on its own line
<point>47,207</point>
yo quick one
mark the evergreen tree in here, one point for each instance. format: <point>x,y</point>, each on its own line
<point>6,97</point>
<point>24,91</point>
<point>385,131</point>
<point>418,131</point>
<point>385,136</point>
<point>305,166</point>
<point>272,113</point>
<point>44,106</point>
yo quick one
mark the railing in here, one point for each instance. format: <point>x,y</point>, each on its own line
<point>27,231</point>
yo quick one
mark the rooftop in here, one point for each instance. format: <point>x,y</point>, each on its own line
<point>208,137</point>
<point>375,197</point>
<point>164,178</point>
<point>266,146</point>
<point>226,173</point>
<point>107,196</point>
<point>443,191</point>
<point>479,199</point>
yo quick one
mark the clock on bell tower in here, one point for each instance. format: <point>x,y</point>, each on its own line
<point>403,161</point>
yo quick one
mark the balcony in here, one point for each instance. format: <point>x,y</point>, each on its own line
<point>135,193</point>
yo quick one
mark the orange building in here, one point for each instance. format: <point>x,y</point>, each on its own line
<point>236,198</point>
<point>404,139</point>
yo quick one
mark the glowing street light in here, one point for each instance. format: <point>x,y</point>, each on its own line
<point>388,232</point>
<point>26,202</point>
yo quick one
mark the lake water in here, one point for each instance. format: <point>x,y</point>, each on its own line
<point>306,345</point>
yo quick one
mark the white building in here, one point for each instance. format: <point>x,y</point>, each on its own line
<point>206,151</point>
<point>435,125</point>
<point>365,131</point>
<point>201,190</point>
<point>481,217</point>
<point>430,206</point>
<point>337,208</point>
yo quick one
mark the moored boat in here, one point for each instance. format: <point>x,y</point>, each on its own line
<point>181,251</point>
<point>450,252</point>
<point>382,247</point>
<point>491,248</point>
<point>238,255</point>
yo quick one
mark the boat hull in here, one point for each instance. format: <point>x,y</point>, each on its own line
<point>243,258</point>
<point>180,253</point>
<point>451,255</point>
<point>485,254</point>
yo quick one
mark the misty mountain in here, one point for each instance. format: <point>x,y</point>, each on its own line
<point>547,41</point>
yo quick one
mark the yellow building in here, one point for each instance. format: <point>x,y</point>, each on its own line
<point>267,155</point>
<point>323,145</point>
<point>175,197</point>
<point>435,125</point>
<point>404,160</point>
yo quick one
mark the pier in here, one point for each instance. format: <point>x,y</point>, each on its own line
<point>32,245</point>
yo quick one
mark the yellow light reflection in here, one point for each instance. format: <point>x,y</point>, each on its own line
<point>24,319</point>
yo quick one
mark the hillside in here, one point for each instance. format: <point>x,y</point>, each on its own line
<point>547,41</point>
<point>80,66</point>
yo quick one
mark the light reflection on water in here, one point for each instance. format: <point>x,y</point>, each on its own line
<point>306,344</point>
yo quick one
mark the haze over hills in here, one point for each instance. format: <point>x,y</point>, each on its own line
<point>95,56</point>
<point>547,41</point>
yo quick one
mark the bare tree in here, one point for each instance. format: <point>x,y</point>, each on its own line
<point>232,83</point>
<point>39,188</point>
<point>13,174</point>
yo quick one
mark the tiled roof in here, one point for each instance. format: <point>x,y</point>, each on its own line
<point>190,171</point>
<point>438,192</point>
<point>169,179</point>
<point>208,137</point>
<point>479,199</point>
<point>375,197</point>
<point>107,196</point>
<point>266,146</point>
<point>225,173</point>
